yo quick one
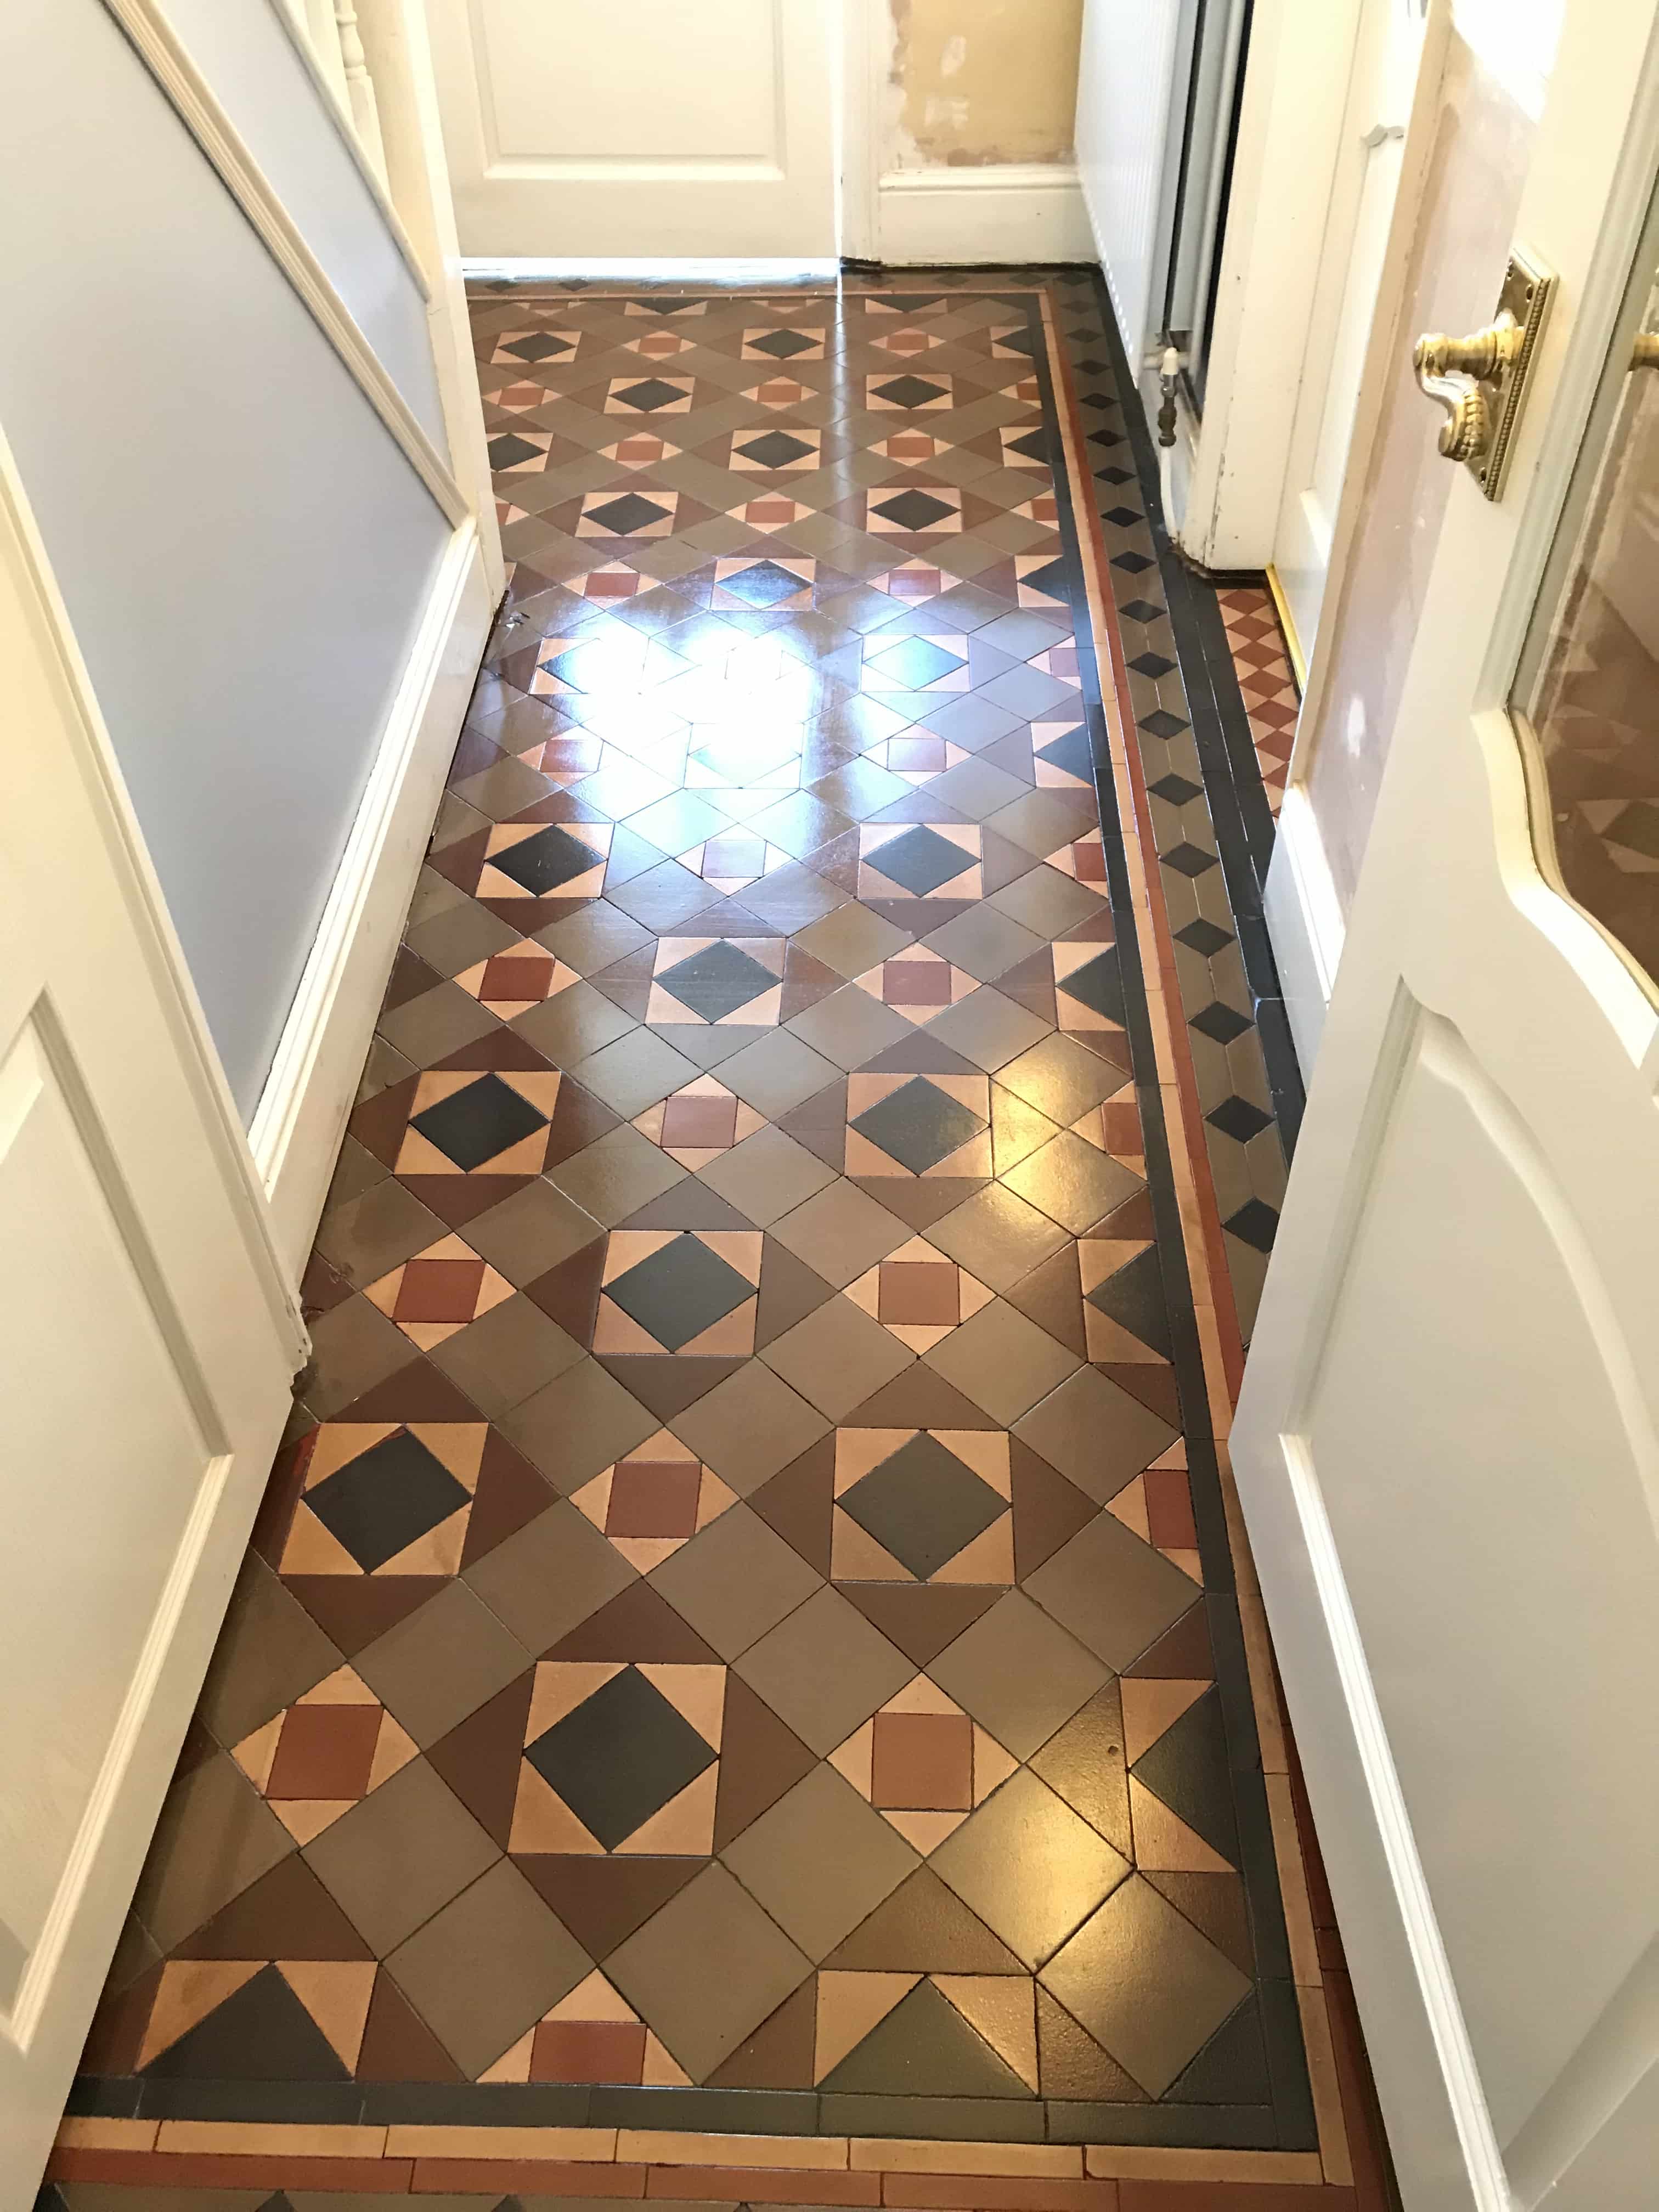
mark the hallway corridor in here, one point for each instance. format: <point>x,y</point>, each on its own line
<point>747,1639</point>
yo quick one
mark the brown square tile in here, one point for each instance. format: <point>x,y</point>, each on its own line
<point>922,1761</point>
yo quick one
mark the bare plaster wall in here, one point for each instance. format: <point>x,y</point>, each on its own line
<point>978,82</point>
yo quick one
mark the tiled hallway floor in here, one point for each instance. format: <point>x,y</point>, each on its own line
<point>745,1640</point>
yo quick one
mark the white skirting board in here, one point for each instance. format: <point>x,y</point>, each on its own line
<point>1305,921</point>
<point>302,1116</point>
<point>1009,214</point>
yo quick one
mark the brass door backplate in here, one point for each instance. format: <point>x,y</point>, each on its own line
<point>1481,380</point>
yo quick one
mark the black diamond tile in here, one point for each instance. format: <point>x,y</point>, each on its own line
<point>910,303</point>
<point>1132,563</point>
<point>912,509</point>
<point>649,394</point>
<point>783,345</point>
<point>473,1125</point>
<point>1204,937</point>
<point>683,1289</point>
<point>922,1505</point>
<point>1162,724</point>
<point>1018,342</point>
<point>1033,446</point>
<point>773,449</point>
<point>1188,858</point>
<point>543,346</point>
<point>1115,475</point>
<point>763,585</point>
<point>1220,1022</point>
<point>718,979</point>
<point>1256,1223</point>
<point>506,452</point>
<point>1142,610</point>
<point>378,1504</point>
<point>544,861</point>
<point>908,391</point>
<point>1098,986</point>
<point>920,860</point>
<point>624,515</point>
<point>1176,790</point>
<point>620,1756</point>
<point>918,1125</point>
<point>669,307</point>
<point>1151,664</point>
<point>1123,516</point>
<point>1238,1118</point>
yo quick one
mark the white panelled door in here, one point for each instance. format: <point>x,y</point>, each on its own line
<point>1387,50</point>
<point>147,1344</point>
<point>1448,1441</point>
<point>583,130</point>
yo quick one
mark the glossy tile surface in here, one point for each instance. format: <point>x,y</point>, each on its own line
<point>743,1637</point>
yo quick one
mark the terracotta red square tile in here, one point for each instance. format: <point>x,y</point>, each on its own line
<point>922,1762</point>
<point>653,1498</point>
<point>325,1751</point>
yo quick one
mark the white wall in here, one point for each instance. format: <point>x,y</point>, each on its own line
<point>1122,118</point>
<point>244,550</point>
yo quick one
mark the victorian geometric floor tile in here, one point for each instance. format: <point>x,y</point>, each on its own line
<point>741,1637</point>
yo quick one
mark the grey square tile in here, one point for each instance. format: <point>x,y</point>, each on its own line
<point>825,1670</point>
<point>458,937</point>
<point>735,1580</point>
<point>576,1424</point>
<point>992,1861</point>
<point>820,1860</point>
<point>984,942</point>
<point>837,1356</point>
<point>776,1072</point>
<point>541,1582</point>
<point>369,1234</point>
<point>1018,1673</point>
<point>706,1970</point>
<point>216,1836</point>
<point>1096,1434</point>
<point>533,1963</point>
<point>571,1027</point>
<point>1074,1183</point>
<point>399,1855</point>
<point>852,940</point>
<point>1045,901</point>
<point>501,1358</point>
<point>532,1232</point>
<point>840,1231</point>
<point>849,1027</point>
<point>269,1652</point>
<point>767,1175</point>
<point>1002,1360</point>
<point>618,1174</point>
<point>353,1347</point>
<point>439,1022</point>
<point>749,1426</point>
<point>595,937</point>
<point>1148,1986</point>
<point>997,1236</point>
<point>987,1028</point>
<point>975,788</point>
<point>635,1072</point>
<point>441,1662</point>
<point>1113,1593</point>
<point>1060,1079</point>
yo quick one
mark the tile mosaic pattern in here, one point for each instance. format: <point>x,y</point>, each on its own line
<point>1266,679</point>
<point>739,1638</point>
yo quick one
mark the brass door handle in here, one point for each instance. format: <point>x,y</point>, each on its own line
<point>1453,370</point>
<point>1481,379</point>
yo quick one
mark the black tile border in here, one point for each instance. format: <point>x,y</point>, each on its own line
<point>1289,2123</point>
<point>1243,820</point>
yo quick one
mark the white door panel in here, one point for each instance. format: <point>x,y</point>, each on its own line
<point>149,1344</point>
<point>577,131</point>
<point>1448,1441</point>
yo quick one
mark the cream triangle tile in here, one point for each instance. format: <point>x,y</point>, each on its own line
<point>988,1558</point>
<point>856,1757</point>
<point>1003,2007</point>
<point>1151,1708</point>
<point>563,1685</point>
<point>1163,1842</point>
<point>311,1549</point>
<point>849,2006</point>
<point>336,1993</point>
<point>685,1828</point>
<point>593,1500</point>
<point>514,2064</point>
<point>339,1441</point>
<point>437,1552</point>
<point>992,1764</point>
<point>190,1988</point>
<point>393,1748</point>
<point>855,1556</point>
<point>662,2069</point>
<point>305,1818</point>
<point>595,1998</point>
<point>1129,1507</point>
<point>255,1753</point>
<point>697,1693</point>
<point>923,1832</point>
<point>543,1822</point>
